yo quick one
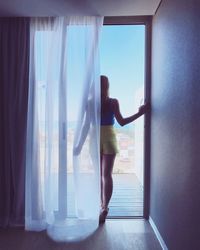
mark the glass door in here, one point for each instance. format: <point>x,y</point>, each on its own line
<point>122,53</point>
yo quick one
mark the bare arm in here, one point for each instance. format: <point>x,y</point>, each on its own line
<point>123,121</point>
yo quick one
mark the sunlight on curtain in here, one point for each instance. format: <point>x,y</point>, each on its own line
<point>63,183</point>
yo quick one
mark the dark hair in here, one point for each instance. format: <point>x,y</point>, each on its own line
<point>104,82</point>
<point>104,87</point>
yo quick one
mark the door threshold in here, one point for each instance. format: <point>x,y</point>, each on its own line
<point>125,217</point>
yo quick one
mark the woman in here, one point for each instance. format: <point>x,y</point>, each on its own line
<point>108,144</point>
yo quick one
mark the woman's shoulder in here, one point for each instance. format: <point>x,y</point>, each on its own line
<point>113,101</point>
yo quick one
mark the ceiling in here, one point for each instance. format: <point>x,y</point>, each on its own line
<point>78,7</point>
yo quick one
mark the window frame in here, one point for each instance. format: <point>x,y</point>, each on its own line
<point>147,22</point>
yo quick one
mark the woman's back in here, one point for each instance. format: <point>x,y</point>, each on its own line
<point>107,112</point>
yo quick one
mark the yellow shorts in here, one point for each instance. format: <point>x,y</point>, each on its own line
<point>108,141</point>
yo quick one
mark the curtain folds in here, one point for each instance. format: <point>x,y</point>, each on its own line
<point>63,184</point>
<point>14,71</point>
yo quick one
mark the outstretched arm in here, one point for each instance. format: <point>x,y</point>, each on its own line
<point>123,121</point>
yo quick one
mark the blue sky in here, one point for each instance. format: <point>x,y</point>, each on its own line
<point>122,60</point>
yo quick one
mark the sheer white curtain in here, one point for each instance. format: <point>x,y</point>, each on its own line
<point>62,189</point>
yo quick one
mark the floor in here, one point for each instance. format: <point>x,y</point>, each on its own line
<point>134,234</point>
<point>127,198</point>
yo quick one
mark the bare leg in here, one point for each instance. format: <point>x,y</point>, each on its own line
<point>107,163</point>
<point>101,182</point>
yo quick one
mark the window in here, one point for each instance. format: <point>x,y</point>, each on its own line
<point>124,59</point>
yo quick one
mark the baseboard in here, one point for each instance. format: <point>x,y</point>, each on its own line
<point>159,237</point>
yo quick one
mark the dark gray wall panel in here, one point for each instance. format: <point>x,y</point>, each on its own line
<point>175,129</point>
